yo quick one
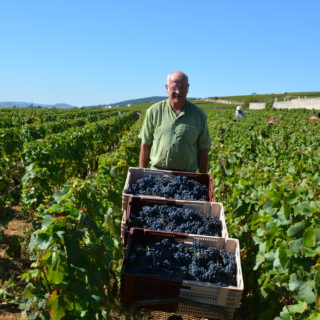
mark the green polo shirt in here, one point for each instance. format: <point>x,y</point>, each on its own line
<point>175,139</point>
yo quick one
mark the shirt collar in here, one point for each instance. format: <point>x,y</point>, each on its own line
<point>183,112</point>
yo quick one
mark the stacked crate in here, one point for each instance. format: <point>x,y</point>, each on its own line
<point>135,287</point>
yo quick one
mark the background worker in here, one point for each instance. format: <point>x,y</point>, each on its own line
<point>238,114</point>
<point>175,135</point>
<point>315,117</point>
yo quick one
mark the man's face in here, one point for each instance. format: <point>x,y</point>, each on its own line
<point>177,90</point>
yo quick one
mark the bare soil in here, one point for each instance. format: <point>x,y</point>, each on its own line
<point>13,261</point>
<point>9,312</point>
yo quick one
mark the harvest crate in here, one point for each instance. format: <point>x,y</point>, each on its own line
<point>152,286</point>
<point>184,311</point>
<point>135,203</point>
<point>135,174</point>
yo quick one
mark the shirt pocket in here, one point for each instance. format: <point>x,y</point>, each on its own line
<point>187,133</point>
<point>164,133</point>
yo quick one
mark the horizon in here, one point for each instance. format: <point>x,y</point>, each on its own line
<point>95,53</point>
<point>45,105</point>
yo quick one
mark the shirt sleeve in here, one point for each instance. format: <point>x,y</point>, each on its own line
<point>147,130</point>
<point>204,141</point>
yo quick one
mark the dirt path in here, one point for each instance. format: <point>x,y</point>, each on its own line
<point>8,312</point>
<point>223,101</point>
<point>13,259</point>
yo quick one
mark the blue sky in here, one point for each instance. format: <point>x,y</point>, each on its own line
<point>94,52</point>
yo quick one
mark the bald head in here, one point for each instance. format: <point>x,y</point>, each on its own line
<point>177,76</point>
<point>177,87</point>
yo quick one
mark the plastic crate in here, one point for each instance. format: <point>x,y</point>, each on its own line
<point>185,312</point>
<point>207,208</point>
<point>151,286</point>
<point>135,174</point>
<point>162,315</point>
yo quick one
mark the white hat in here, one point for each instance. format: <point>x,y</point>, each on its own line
<point>239,108</point>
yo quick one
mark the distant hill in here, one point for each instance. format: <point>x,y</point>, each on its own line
<point>131,102</point>
<point>243,99</point>
<point>19,104</point>
<point>255,97</point>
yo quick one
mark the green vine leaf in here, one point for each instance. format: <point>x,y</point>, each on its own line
<point>309,237</point>
<point>306,293</point>
<point>57,311</point>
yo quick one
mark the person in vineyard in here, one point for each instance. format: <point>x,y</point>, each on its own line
<point>238,114</point>
<point>175,135</point>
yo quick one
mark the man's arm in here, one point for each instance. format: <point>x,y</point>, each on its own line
<point>203,160</point>
<point>144,155</point>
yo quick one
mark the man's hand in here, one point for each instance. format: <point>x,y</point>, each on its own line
<point>144,155</point>
<point>203,160</point>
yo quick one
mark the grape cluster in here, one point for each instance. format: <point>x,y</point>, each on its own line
<point>184,262</point>
<point>172,186</point>
<point>174,219</point>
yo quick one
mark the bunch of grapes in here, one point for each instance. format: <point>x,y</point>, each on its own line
<point>174,219</point>
<point>172,186</point>
<point>184,262</point>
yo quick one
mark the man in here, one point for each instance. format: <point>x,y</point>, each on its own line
<point>175,133</point>
<point>238,114</point>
